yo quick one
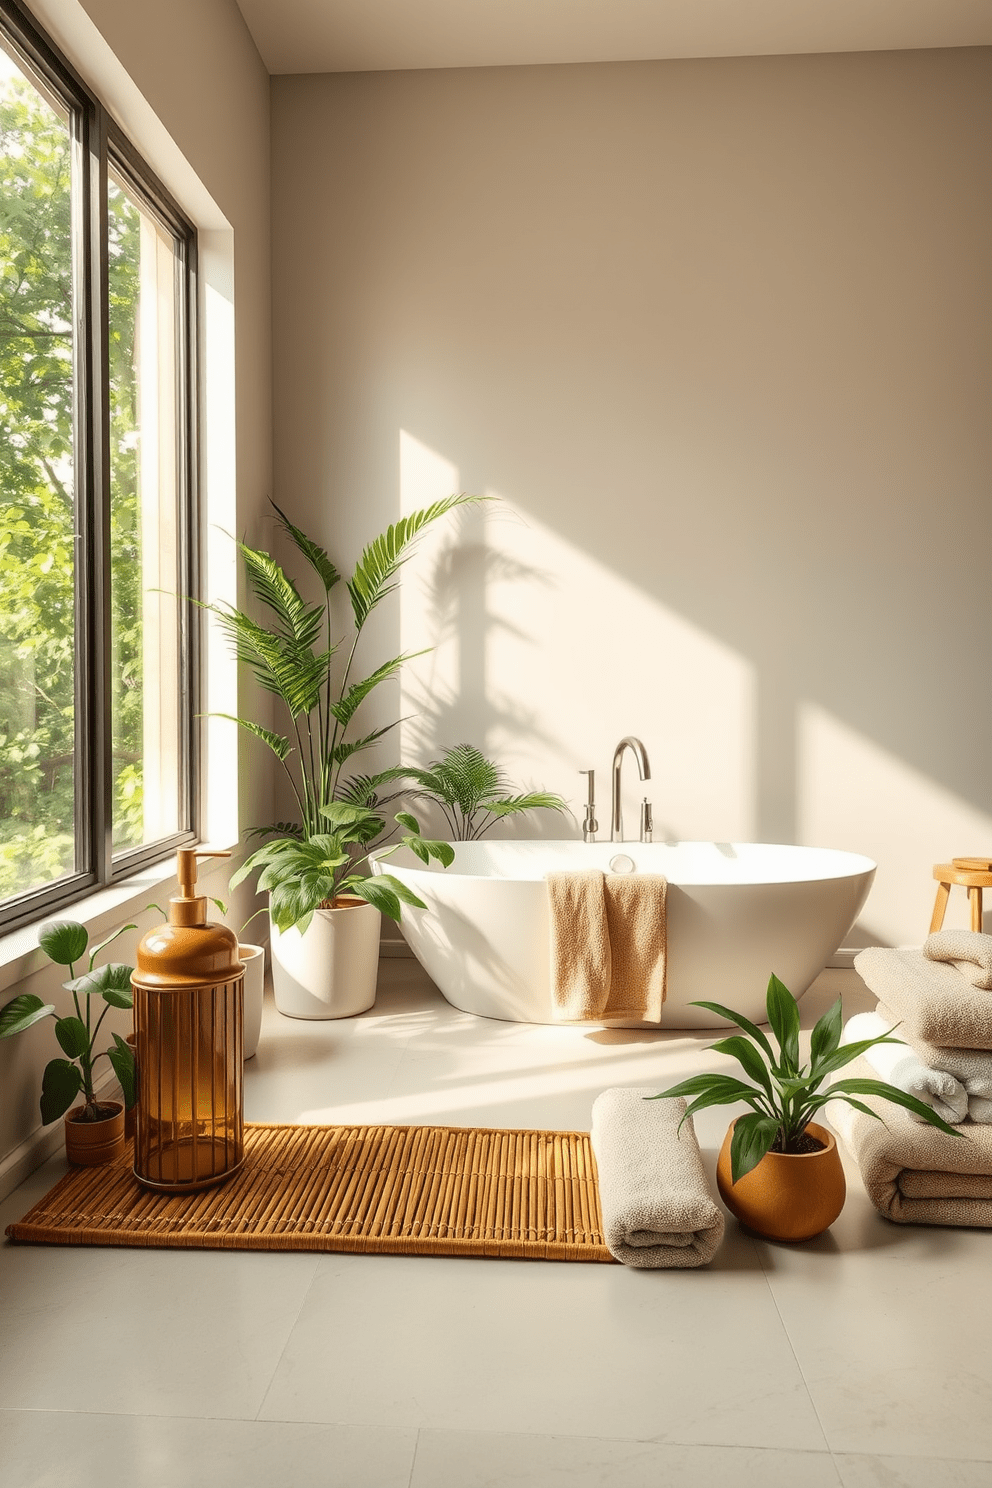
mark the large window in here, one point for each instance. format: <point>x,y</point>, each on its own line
<point>97,558</point>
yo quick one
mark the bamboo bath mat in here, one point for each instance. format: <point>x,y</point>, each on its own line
<point>399,1190</point>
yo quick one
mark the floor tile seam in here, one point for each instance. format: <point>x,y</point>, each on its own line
<point>792,1347</point>
<point>413,1459</point>
<point>917,1457</point>
<point>627,1441</point>
<point>289,1334</point>
<point>125,1415</point>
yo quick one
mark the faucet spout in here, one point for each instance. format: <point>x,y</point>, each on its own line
<point>644,770</point>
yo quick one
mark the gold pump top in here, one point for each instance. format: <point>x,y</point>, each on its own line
<point>188,951</point>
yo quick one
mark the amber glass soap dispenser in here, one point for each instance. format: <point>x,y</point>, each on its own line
<point>189,1026</point>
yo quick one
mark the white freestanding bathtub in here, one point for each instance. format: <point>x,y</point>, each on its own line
<point>737,911</point>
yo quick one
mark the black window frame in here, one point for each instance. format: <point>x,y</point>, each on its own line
<point>98,144</point>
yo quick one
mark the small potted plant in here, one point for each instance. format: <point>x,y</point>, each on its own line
<point>473,793</point>
<point>94,1131</point>
<point>778,1171</point>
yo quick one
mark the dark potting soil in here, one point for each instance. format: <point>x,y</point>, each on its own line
<point>801,1146</point>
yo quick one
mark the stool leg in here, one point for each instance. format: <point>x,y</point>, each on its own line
<point>943,894</point>
<point>975,897</point>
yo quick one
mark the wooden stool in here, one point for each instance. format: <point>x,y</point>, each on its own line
<point>974,874</point>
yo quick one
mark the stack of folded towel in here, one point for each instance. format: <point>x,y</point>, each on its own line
<point>938,999</point>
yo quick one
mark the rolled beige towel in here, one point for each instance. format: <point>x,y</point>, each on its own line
<point>931,999</point>
<point>968,951</point>
<point>658,1210</point>
<point>913,1173</point>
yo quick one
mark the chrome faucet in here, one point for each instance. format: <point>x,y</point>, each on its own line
<point>644,769</point>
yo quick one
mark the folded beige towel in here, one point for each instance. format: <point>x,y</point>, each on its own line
<point>967,950</point>
<point>915,1174</point>
<point>608,946</point>
<point>932,999</point>
<point>973,1067</point>
<point>658,1210</point>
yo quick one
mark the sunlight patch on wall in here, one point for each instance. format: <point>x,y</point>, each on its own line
<point>545,658</point>
<point>857,796</point>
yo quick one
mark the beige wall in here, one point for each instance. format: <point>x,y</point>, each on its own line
<point>188,86</point>
<point>717,334</point>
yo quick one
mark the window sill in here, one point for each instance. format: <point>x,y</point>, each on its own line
<point>20,954</point>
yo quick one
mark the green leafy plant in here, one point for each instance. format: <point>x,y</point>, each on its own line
<point>473,793</point>
<point>303,876</point>
<point>787,1094</point>
<point>65,942</point>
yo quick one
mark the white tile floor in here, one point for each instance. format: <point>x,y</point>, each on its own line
<point>860,1359</point>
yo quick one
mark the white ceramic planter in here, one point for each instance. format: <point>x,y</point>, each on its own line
<point>253,958</point>
<point>330,971</point>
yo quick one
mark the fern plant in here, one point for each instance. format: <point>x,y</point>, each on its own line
<point>296,657</point>
<point>473,793</point>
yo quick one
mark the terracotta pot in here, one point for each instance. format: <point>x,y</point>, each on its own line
<point>788,1196</point>
<point>89,1144</point>
<point>330,971</point>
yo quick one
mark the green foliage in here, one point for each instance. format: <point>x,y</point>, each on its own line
<point>303,876</point>
<point>294,658</point>
<point>37,500</point>
<point>65,942</point>
<point>785,1094</point>
<point>472,792</point>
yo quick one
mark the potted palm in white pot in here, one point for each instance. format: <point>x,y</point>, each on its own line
<point>324,908</point>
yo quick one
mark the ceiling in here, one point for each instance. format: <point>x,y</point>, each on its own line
<point>382,35</point>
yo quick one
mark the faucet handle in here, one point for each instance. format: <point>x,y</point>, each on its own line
<point>590,825</point>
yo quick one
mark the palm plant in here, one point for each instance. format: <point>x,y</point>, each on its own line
<point>786,1094</point>
<point>295,658</point>
<point>473,793</point>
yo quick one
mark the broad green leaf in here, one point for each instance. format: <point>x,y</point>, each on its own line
<point>121,1057</point>
<point>72,1036</point>
<point>344,814</point>
<point>857,1086</point>
<point>748,1058</point>
<point>397,887</point>
<point>783,1015</point>
<point>114,977</point>
<point>21,1012</point>
<point>754,1136</point>
<point>374,891</point>
<point>741,1022</point>
<point>410,822</point>
<point>825,1037</point>
<point>63,941</point>
<point>60,1084</point>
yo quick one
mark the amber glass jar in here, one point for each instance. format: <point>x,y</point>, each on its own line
<point>189,1032</point>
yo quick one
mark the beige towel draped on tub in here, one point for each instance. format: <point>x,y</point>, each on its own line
<point>608,946</point>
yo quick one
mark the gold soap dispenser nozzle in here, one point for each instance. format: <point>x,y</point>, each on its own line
<point>188,907</point>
